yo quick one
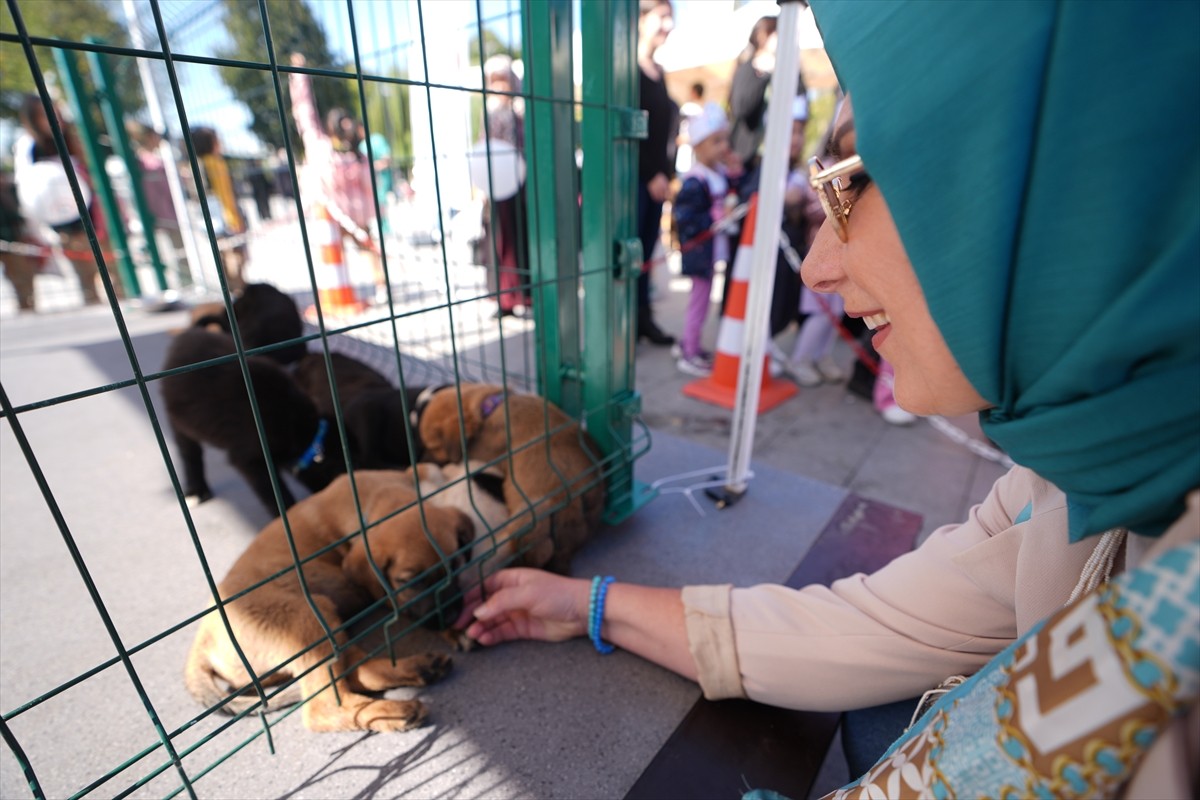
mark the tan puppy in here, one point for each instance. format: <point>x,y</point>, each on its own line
<point>274,622</point>
<point>553,487</point>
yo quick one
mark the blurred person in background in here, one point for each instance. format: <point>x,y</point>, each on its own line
<point>21,266</point>
<point>46,198</point>
<point>337,173</point>
<point>384,180</point>
<point>229,223</point>
<point>656,154</point>
<point>157,192</point>
<point>748,92</point>
<point>504,246</point>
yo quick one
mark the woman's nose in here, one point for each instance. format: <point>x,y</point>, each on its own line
<point>822,267</point>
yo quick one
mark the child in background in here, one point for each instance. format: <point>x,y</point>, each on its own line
<point>707,194</point>
<point>811,362</point>
<point>338,176</point>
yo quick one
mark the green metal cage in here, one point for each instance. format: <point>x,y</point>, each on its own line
<point>63,469</point>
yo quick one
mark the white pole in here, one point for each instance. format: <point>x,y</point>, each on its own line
<point>773,176</point>
<point>159,121</point>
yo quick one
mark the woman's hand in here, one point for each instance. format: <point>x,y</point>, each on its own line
<point>526,604</point>
<point>658,187</point>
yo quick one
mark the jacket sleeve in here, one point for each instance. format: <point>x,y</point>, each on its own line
<point>871,639</point>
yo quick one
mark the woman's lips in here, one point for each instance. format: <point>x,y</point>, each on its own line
<point>881,333</point>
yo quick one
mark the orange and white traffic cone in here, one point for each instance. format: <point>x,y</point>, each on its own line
<point>333,275</point>
<point>720,388</point>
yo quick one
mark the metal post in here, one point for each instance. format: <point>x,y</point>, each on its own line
<point>114,118</point>
<point>77,96</point>
<point>766,247</point>
<point>612,258</point>
<point>191,269</point>
<point>552,195</point>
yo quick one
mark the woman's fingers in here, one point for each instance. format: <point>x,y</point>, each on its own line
<point>524,604</point>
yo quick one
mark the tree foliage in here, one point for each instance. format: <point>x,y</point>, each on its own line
<point>388,114</point>
<point>69,20</point>
<point>493,45</point>
<point>293,29</point>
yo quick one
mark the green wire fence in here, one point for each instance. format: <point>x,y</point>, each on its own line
<point>431,325</point>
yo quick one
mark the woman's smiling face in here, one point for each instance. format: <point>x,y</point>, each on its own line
<point>872,273</point>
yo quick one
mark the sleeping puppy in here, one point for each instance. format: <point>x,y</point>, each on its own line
<point>553,489</point>
<point>373,411</point>
<point>479,496</point>
<point>415,557</point>
<point>477,491</point>
<point>274,622</point>
<point>210,405</point>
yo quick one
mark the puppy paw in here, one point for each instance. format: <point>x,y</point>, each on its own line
<point>392,715</point>
<point>431,667</point>
<point>380,674</point>
<point>357,713</point>
<point>458,640</point>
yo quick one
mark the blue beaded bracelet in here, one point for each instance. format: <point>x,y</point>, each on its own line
<point>596,613</point>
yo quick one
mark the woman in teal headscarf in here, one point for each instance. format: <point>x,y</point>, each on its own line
<point>1014,205</point>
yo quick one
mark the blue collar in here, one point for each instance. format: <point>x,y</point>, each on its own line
<point>315,453</point>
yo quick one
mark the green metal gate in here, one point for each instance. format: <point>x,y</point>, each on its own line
<point>577,351</point>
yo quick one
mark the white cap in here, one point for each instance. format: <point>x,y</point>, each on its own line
<point>703,125</point>
<point>800,108</point>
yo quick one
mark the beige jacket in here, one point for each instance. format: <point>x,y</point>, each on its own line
<point>944,609</point>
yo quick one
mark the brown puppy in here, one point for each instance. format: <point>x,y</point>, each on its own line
<point>275,625</point>
<point>553,488</point>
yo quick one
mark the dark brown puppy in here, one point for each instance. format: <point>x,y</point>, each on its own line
<point>352,376</point>
<point>553,487</point>
<point>265,316</point>
<point>210,405</point>
<point>373,411</point>
<point>277,629</point>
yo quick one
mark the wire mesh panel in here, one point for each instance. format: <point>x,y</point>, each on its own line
<point>401,182</point>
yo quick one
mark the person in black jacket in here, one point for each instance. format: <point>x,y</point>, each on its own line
<point>748,92</point>
<point>656,156</point>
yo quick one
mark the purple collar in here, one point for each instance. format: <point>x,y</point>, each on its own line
<point>491,403</point>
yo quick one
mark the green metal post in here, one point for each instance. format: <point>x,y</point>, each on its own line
<point>78,96</point>
<point>552,194</point>
<point>114,119</point>
<point>612,124</point>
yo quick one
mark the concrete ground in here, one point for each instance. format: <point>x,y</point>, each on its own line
<point>83,613</point>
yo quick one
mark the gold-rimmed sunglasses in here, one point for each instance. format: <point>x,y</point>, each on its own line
<point>830,184</point>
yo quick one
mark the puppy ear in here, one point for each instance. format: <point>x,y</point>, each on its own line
<point>475,398</point>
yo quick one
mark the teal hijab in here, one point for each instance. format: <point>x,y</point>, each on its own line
<point>1042,163</point>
